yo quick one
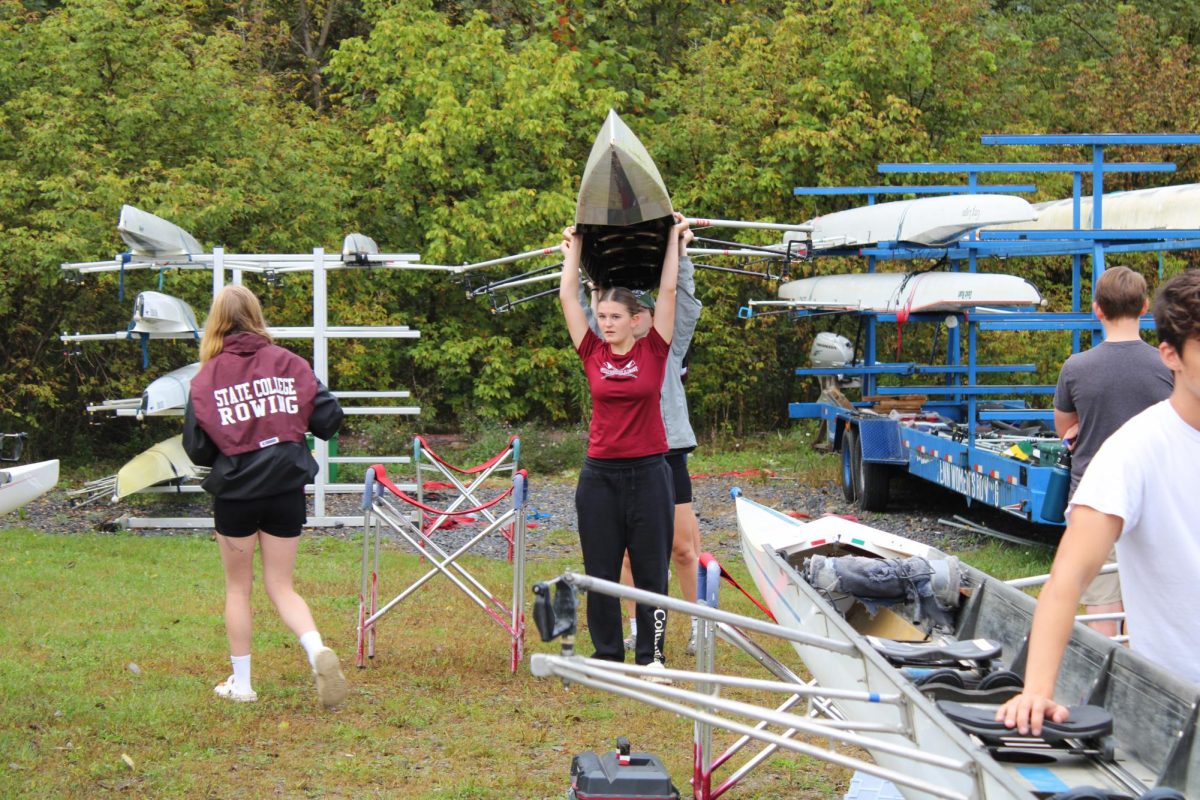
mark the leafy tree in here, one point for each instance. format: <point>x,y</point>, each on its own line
<point>109,102</point>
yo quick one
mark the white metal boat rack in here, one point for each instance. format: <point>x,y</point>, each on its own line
<point>319,264</point>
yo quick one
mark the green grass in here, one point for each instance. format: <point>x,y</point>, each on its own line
<point>436,715</point>
<point>1008,561</point>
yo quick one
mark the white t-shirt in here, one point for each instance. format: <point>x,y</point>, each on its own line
<point>1148,474</point>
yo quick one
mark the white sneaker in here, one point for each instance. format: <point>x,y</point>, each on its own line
<point>656,666</point>
<point>227,690</point>
<point>630,643</point>
<point>331,683</point>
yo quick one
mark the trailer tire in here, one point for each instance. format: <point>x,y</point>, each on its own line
<point>872,481</point>
<point>849,468</point>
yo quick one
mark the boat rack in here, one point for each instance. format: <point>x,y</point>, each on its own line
<point>270,266</point>
<point>874,447</point>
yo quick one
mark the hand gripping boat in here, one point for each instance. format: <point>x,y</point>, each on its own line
<point>1132,725</point>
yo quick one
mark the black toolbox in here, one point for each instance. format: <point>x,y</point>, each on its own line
<point>620,775</point>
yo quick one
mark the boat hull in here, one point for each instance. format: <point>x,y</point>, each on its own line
<point>927,221</point>
<point>153,237</point>
<point>913,293</point>
<point>624,213</point>
<point>170,392</point>
<point>155,312</point>
<point>1163,208</point>
<point>23,484</point>
<point>1133,689</point>
<point>165,462</point>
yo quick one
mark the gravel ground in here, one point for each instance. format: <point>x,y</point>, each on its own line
<point>914,512</point>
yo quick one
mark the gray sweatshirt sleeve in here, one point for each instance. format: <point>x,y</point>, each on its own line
<point>687,309</point>
<point>680,435</point>
<point>585,300</point>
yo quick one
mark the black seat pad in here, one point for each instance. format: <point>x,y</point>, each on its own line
<point>940,691</point>
<point>1083,722</point>
<point>925,653</point>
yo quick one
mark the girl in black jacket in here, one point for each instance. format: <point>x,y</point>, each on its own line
<point>249,408</point>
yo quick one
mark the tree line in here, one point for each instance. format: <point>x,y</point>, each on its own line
<point>459,130</point>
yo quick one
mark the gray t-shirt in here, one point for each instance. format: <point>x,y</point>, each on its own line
<point>1106,386</point>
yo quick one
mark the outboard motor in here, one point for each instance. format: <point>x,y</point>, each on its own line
<point>831,349</point>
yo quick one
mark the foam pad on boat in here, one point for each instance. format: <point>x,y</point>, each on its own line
<point>1083,722</point>
<point>925,653</point>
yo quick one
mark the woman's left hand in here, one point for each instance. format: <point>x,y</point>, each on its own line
<point>681,229</point>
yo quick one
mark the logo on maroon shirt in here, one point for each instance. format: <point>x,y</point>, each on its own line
<point>627,372</point>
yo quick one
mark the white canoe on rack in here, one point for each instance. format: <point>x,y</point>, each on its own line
<point>1166,207</point>
<point>170,392</point>
<point>911,292</point>
<point>927,221</point>
<point>165,396</point>
<point>155,312</point>
<point>19,485</point>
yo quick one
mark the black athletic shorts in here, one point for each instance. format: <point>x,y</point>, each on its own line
<point>677,461</point>
<point>280,515</point>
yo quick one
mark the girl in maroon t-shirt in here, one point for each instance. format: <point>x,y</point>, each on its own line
<point>625,496</point>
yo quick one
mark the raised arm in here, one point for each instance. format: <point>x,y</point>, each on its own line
<point>568,289</point>
<point>687,305</point>
<point>664,306</point>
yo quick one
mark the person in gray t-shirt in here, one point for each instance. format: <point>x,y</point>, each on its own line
<point>1100,389</point>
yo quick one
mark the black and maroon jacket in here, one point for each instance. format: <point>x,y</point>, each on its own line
<point>248,410</point>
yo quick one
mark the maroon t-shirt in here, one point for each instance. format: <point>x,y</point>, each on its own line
<point>626,396</point>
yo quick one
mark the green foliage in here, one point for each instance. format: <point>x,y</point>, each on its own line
<point>458,128</point>
<point>109,102</point>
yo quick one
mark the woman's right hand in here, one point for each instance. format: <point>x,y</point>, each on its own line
<point>570,240</point>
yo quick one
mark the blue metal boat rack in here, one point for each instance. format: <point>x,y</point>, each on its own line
<point>874,448</point>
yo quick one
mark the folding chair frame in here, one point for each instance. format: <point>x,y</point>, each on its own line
<point>385,505</point>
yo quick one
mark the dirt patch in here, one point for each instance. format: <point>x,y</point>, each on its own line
<point>914,511</point>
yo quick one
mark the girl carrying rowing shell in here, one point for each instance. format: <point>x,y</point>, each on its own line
<point>625,496</point>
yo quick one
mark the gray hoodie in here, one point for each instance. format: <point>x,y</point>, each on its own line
<point>680,435</point>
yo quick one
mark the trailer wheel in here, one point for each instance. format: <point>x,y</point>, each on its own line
<point>872,483</point>
<point>849,468</point>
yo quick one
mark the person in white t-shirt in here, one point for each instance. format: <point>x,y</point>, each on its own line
<point>1139,492</point>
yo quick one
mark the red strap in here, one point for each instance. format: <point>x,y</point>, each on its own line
<point>707,558</point>
<point>384,480</point>
<point>469,470</point>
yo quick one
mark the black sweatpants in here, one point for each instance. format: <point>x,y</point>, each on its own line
<point>626,504</point>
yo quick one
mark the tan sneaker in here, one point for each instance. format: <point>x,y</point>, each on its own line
<point>331,683</point>
<point>656,666</point>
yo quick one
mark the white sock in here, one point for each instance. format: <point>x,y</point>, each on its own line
<point>311,642</point>
<point>633,627</point>
<point>241,673</point>
<point>695,624</point>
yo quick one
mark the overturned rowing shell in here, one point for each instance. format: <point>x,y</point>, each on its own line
<point>624,211</point>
